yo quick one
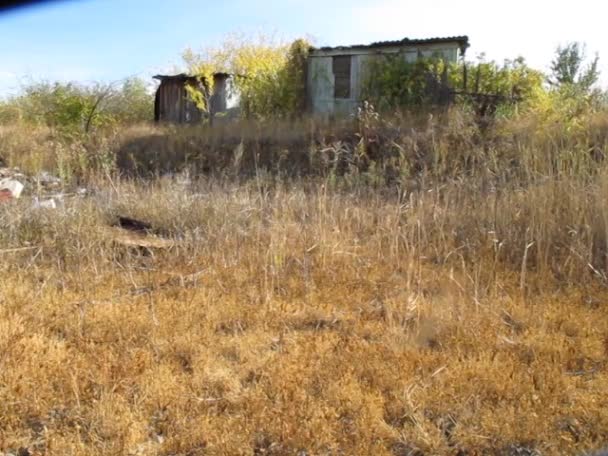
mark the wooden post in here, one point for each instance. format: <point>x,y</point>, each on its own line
<point>444,97</point>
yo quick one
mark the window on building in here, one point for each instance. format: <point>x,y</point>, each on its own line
<point>341,69</point>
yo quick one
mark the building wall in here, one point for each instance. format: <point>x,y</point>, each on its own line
<point>320,85</point>
<point>174,105</point>
<point>320,78</point>
<point>225,95</point>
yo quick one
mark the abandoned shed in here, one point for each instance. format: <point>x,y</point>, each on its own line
<point>335,74</point>
<point>173,102</point>
<point>335,77</point>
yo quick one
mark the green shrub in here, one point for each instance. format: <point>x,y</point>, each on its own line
<point>391,82</point>
<point>74,109</point>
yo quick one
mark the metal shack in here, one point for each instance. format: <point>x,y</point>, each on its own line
<point>335,74</point>
<point>173,103</point>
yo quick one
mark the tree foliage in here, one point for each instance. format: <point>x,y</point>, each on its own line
<point>269,76</point>
<point>391,82</point>
<point>76,108</point>
<point>512,79</point>
<point>573,86</point>
<point>569,70</point>
<point>130,103</point>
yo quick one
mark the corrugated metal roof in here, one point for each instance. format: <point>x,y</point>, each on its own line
<point>462,40</point>
<point>185,77</point>
<point>174,77</point>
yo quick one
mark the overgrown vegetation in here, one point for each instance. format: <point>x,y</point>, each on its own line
<point>396,283</point>
<point>76,109</point>
<point>392,83</point>
<point>269,76</point>
<point>568,71</point>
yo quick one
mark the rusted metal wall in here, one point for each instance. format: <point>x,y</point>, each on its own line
<point>173,103</point>
<point>217,102</point>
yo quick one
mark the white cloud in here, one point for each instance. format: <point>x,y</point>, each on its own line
<point>7,75</point>
<point>394,19</point>
<point>9,83</point>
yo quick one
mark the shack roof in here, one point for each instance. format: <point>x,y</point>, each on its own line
<point>463,42</point>
<point>175,77</point>
<point>187,77</point>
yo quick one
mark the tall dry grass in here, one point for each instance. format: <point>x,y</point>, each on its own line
<point>418,287</point>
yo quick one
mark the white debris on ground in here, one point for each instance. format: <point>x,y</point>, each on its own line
<point>45,190</point>
<point>10,188</point>
<point>49,203</point>
<point>11,183</point>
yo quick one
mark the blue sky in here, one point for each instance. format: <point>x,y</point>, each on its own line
<point>108,40</point>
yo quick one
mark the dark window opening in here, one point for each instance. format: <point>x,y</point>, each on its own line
<point>341,69</point>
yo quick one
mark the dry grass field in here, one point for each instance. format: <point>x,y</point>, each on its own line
<point>461,310</point>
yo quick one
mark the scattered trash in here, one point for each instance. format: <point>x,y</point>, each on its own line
<point>13,186</point>
<point>46,179</point>
<point>45,189</point>
<point>15,173</point>
<point>49,203</point>
<point>5,195</point>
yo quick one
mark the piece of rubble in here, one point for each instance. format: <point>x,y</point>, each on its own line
<point>48,203</point>
<point>46,179</point>
<point>11,185</point>
<point>5,195</point>
<point>14,173</point>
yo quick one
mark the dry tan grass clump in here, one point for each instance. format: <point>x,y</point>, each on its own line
<point>297,319</point>
<point>420,288</point>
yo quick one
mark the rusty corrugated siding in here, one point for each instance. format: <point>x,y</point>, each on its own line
<point>218,101</point>
<point>173,103</point>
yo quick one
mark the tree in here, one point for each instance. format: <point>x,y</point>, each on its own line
<point>268,75</point>
<point>76,108</point>
<point>132,102</point>
<point>65,106</point>
<point>568,69</point>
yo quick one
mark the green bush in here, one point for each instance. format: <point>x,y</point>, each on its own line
<point>74,109</point>
<point>392,83</point>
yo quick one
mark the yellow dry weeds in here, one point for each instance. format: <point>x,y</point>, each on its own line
<point>291,325</point>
